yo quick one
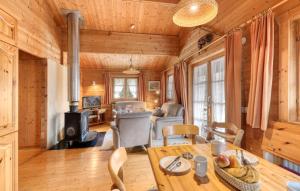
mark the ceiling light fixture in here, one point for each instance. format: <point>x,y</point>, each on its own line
<point>191,13</point>
<point>131,70</point>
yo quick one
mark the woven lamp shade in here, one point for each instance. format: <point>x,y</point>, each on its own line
<point>191,13</point>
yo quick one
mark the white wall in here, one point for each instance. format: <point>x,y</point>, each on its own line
<point>57,101</point>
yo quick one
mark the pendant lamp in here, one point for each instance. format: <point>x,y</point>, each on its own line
<point>191,13</point>
<point>131,70</point>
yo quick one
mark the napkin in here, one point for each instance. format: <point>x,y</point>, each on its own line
<point>293,186</point>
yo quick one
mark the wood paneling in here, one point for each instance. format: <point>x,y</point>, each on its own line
<point>32,100</point>
<point>125,43</point>
<point>37,32</point>
<point>9,91</point>
<point>282,139</point>
<point>122,61</point>
<point>118,15</point>
<point>287,65</point>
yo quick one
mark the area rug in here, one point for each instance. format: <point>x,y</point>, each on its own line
<point>108,141</point>
<point>97,142</point>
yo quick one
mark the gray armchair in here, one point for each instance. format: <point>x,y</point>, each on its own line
<point>132,129</point>
<point>173,115</point>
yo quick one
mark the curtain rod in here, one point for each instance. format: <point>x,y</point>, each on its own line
<point>240,26</point>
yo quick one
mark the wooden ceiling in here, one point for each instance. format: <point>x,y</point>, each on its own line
<point>118,15</point>
<point>149,17</point>
<point>122,61</point>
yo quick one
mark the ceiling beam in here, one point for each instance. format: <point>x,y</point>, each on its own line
<point>94,41</point>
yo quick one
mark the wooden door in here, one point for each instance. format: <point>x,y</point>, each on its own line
<point>9,162</point>
<point>8,85</point>
<point>6,167</point>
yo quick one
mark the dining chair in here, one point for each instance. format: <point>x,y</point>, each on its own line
<point>192,130</point>
<point>231,133</point>
<point>115,167</point>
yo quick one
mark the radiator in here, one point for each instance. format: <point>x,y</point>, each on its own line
<point>282,162</point>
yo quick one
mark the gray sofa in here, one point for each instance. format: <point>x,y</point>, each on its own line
<point>132,125</point>
<point>173,115</point>
<point>124,106</point>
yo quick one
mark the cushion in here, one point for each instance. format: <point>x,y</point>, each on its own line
<point>158,112</point>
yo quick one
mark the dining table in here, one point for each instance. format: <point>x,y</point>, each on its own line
<point>272,177</point>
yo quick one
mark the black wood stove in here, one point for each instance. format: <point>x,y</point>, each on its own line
<point>76,122</point>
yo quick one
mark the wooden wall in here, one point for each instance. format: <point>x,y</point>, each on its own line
<point>38,35</point>
<point>288,65</point>
<point>88,89</point>
<point>37,32</point>
<point>32,100</point>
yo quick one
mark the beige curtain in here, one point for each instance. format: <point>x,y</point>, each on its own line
<point>262,56</point>
<point>181,91</point>
<point>141,90</point>
<point>233,62</point>
<point>163,88</point>
<point>108,90</point>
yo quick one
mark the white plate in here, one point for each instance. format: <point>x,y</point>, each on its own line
<point>249,157</point>
<point>184,168</point>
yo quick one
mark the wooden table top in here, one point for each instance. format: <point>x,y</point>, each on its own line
<point>272,177</point>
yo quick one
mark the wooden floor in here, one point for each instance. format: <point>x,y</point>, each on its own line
<point>81,169</point>
<point>100,128</point>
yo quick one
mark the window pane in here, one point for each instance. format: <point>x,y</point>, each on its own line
<point>119,81</point>
<point>200,95</point>
<point>131,88</point>
<point>170,87</point>
<point>132,82</point>
<point>218,89</point>
<point>118,88</point>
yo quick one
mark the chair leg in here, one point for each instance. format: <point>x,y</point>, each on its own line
<point>120,173</point>
<point>165,141</point>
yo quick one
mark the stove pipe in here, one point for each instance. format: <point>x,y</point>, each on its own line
<point>73,18</point>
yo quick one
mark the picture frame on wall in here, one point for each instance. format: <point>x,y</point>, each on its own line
<point>153,86</point>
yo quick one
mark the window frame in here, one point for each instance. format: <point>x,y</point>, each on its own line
<point>207,61</point>
<point>167,88</point>
<point>125,85</point>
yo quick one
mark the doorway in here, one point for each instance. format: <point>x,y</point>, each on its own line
<point>32,105</point>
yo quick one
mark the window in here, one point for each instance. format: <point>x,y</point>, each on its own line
<point>125,88</point>
<point>170,87</point>
<point>209,92</point>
